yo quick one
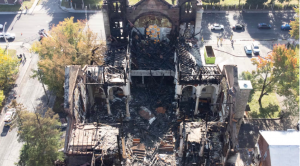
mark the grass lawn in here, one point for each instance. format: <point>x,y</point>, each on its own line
<point>13,8</point>
<point>270,106</point>
<point>65,4</point>
<point>11,52</point>
<point>132,2</point>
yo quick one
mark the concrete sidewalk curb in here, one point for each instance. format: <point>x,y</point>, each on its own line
<point>231,54</point>
<point>11,44</point>
<point>246,11</point>
<point>24,11</point>
<point>71,10</point>
<point>22,77</point>
<point>33,6</point>
<point>243,40</point>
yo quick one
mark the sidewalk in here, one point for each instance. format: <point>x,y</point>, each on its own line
<point>23,67</point>
<point>209,11</point>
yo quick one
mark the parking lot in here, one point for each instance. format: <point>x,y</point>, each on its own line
<point>226,54</point>
<point>250,21</point>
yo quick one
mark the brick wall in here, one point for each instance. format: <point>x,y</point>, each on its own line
<point>263,147</point>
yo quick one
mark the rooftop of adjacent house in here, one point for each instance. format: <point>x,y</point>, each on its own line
<point>290,137</point>
<point>284,147</point>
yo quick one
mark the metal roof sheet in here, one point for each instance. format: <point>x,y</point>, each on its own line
<point>284,147</point>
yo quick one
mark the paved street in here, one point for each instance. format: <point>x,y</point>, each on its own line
<point>30,93</point>
<point>29,25</point>
<point>45,16</point>
<point>250,20</point>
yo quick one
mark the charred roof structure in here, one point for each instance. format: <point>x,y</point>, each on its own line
<point>153,101</point>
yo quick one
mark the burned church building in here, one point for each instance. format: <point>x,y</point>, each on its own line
<point>153,101</point>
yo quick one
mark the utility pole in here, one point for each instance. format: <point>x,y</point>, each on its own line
<point>43,85</point>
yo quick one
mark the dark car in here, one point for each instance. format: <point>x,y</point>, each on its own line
<point>264,26</point>
<point>42,34</point>
<point>286,27</point>
<point>238,27</point>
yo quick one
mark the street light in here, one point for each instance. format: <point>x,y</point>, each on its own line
<point>86,23</point>
<point>86,13</point>
<point>5,37</point>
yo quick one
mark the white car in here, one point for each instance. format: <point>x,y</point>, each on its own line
<point>255,48</point>
<point>248,49</point>
<point>7,35</point>
<point>9,116</point>
<point>1,27</point>
<point>217,27</point>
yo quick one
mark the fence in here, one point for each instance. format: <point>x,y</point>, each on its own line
<point>248,6</point>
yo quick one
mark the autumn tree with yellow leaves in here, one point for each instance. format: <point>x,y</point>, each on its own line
<point>8,68</point>
<point>278,72</point>
<point>68,43</point>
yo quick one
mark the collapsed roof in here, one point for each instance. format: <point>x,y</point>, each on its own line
<point>88,138</point>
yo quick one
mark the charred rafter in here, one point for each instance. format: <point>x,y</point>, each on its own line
<point>203,75</point>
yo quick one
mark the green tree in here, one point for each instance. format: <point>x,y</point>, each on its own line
<point>273,72</point>
<point>294,32</point>
<point>256,2</point>
<point>40,136</point>
<point>8,68</point>
<point>69,43</point>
